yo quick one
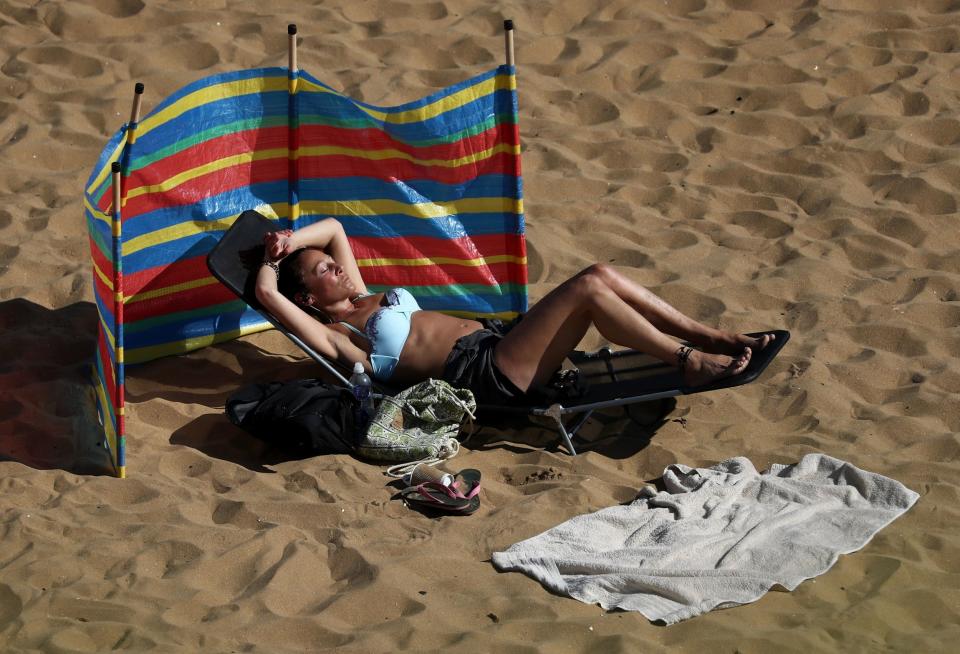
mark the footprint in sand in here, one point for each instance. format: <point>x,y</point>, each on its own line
<point>518,478</point>
<point>119,8</point>
<point>63,60</point>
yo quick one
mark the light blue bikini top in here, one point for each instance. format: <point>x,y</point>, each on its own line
<point>387,330</point>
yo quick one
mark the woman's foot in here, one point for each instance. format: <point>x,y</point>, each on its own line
<point>699,368</point>
<point>734,344</point>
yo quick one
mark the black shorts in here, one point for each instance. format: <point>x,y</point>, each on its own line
<point>470,365</point>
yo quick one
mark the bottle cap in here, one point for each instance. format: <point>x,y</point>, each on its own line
<point>358,368</point>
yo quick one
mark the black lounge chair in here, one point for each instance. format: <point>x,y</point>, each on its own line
<point>613,377</point>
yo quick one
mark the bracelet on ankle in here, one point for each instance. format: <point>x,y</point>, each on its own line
<point>683,353</point>
<point>275,267</point>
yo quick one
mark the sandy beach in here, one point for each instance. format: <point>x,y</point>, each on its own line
<point>760,164</point>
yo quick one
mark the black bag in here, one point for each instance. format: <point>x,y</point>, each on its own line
<point>304,416</point>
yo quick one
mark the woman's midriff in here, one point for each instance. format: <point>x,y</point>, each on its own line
<point>432,336</point>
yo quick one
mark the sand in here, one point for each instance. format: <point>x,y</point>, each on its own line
<point>758,163</point>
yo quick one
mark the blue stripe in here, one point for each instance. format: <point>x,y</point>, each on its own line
<point>384,226</point>
<point>450,122</point>
<point>477,303</point>
<point>235,201</point>
<point>408,191</point>
<point>106,412</point>
<point>433,97</point>
<point>103,159</point>
<point>199,327</point>
<point>218,79</point>
<point>107,316</point>
<point>206,116</point>
<point>213,207</point>
<point>101,235</point>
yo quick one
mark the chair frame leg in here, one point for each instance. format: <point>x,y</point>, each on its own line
<point>568,431</point>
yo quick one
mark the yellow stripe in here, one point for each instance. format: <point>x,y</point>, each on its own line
<point>276,153</point>
<point>105,171</point>
<point>108,428</point>
<point>219,164</point>
<point>139,355</point>
<point>209,94</point>
<point>389,153</point>
<point>97,214</point>
<point>426,210</point>
<point>108,333</point>
<point>121,471</point>
<point>358,207</point>
<point>192,228</point>
<point>264,84</point>
<point>471,263</point>
<point>175,232</point>
<point>458,99</point>
<point>170,290</point>
<point>103,278</point>
<point>195,99</point>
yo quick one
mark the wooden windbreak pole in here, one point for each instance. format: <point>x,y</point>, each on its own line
<point>131,138</point>
<point>508,39</point>
<point>118,399</point>
<point>292,46</point>
<point>293,144</point>
<point>135,113</point>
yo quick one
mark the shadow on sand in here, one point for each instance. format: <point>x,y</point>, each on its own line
<point>48,417</point>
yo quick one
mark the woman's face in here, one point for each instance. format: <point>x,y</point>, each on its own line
<point>325,279</point>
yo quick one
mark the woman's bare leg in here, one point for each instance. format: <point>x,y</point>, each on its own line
<point>667,319</point>
<point>553,327</point>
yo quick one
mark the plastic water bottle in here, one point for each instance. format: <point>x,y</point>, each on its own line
<point>361,390</point>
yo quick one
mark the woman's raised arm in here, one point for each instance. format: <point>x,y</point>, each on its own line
<point>328,235</point>
<point>322,339</point>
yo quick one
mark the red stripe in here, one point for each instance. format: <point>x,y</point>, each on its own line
<point>415,247</point>
<point>202,187</point>
<point>376,139</point>
<point>277,137</point>
<point>266,138</point>
<point>193,298</point>
<point>105,294</point>
<point>176,272</point>
<point>269,138</point>
<point>100,259</point>
<point>441,275</point>
<point>339,165</point>
<point>107,364</point>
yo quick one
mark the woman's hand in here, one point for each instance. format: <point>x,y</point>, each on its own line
<point>278,244</point>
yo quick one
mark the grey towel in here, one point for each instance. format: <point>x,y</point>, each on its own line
<point>718,537</point>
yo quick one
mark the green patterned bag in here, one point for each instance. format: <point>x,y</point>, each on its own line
<point>418,424</point>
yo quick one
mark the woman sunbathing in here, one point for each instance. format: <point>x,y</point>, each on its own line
<point>312,274</point>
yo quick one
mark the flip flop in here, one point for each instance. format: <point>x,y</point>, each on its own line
<point>436,496</point>
<point>466,483</point>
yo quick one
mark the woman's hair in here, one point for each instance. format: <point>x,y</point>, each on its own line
<point>290,282</point>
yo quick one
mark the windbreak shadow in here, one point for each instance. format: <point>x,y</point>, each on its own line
<point>48,417</point>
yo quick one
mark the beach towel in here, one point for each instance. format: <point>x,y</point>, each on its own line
<point>716,537</point>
